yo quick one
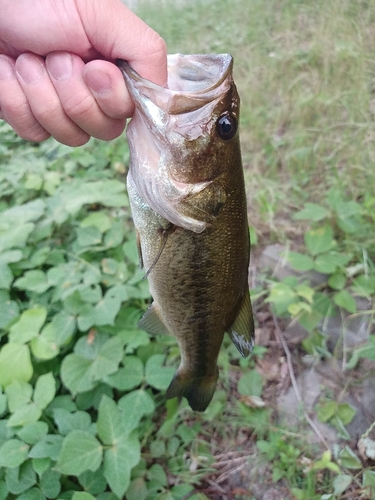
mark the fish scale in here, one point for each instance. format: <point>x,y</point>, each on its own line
<point>187,196</point>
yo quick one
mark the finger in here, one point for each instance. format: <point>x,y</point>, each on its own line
<point>14,106</point>
<point>44,101</point>
<point>129,37</point>
<point>78,102</point>
<point>108,87</point>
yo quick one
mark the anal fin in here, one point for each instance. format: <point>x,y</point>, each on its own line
<point>152,323</point>
<point>242,330</point>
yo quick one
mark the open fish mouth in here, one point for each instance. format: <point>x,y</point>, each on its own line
<point>193,81</point>
<point>172,124</point>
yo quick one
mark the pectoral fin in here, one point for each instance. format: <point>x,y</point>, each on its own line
<point>164,233</point>
<point>242,330</point>
<point>152,323</point>
<point>139,248</point>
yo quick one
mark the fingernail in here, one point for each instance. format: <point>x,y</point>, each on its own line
<point>29,68</point>
<point>60,65</point>
<point>6,68</point>
<point>98,81</point>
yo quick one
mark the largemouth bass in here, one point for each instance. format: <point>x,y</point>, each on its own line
<point>187,196</point>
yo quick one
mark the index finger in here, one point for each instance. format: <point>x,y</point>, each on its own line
<point>117,33</point>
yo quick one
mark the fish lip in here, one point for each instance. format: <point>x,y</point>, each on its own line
<point>218,70</point>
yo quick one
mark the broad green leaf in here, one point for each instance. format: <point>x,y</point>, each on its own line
<point>134,339</point>
<point>106,310</point>
<point>345,300</point>
<point>40,465</point>
<point>157,448</point>
<point>34,281</point>
<point>64,326</point>
<point>19,214</point>
<point>13,453</point>
<point>281,296</point>
<point>109,266</point>
<point>300,262</point>
<point>45,390</point>
<point>346,412</point>
<point>91,399</point>
<point>119,461</point>
<point>32,494</point>
<point>319,240</point>
<point>93,482</point>
<point>250,384</point>
<point>3,404</point>
<point>99,220</point>
<point>75,195</point>
<point>325,264</point>
<point>10,256</point>
<point>19,394</point>
<point>3,490</point>
<point>128,377</point>
<point>75,373</point>
<point>337,280</point>
<point>137,489</point>
<point>312,211</point>
<point>134,406</point>
<point>347,458</point>
<point>341,482</point>
<point>157,473</point>
<point>32,433</point>
<point>86,318</point>
<point>306,292</point>
<point>48,447</point>
<point>82,495</point>
<point>88,236</point>
<point>29,325</point>
<point>109,357</point>
<point>6,276</point>
<point>364,286</point>
<point>326,410</point>
<point>44,346</point>
<point>15,363</point>
<point>20,479</point>
<point>25,415</point>
<point>369,479</point>
<point>81,451</point>
<point>9,309</point>
<point>91,294</point>
<point>67,422</point>
<point>109,423</point>
<point>158,375</point>
<point>50,483</point>
<point>15,236</point>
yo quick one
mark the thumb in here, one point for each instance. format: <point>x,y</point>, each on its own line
<point>117,33</point>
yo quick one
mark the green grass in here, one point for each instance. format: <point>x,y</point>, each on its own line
<point>305,75</point>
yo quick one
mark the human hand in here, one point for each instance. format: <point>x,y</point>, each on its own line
<point>56,72</point>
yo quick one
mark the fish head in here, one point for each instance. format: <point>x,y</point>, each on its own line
<point>182,137</point>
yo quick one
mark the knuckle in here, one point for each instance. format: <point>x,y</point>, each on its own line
<point>156,43</point>
<point>80,107</point>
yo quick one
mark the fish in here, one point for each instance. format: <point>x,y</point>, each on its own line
<point>187,196</point>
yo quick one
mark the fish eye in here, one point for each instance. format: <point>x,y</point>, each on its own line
<point>226,126</point>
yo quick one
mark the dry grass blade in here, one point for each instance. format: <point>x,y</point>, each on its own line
<point>294,381</point>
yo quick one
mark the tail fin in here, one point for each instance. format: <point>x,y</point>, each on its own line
<point>197,390</point>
